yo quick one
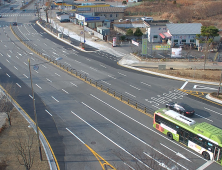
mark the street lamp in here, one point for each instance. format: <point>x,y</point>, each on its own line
<point>36,67</point>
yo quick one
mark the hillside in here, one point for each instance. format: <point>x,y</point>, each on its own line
<point>207,12</point>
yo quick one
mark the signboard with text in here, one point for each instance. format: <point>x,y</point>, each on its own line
<point>161,47</point>
<point>144,46</point>
<point>176,52</point>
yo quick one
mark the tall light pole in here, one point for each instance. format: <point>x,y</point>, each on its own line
<point>36,122</point>
<point>219,85</point>
<point>35,67</point>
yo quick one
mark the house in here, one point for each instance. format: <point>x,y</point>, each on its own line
<point>110,13</point>
<point>103,30</point>
<point>62,16</point>
<point>183,33</point>
<point>156,29</point>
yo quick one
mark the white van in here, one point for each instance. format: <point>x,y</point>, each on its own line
<point>147,18</point>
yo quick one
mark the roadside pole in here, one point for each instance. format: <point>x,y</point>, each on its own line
<point>219,85</point>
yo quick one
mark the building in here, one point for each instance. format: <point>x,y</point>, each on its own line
<point>110,13</point>
<point>155,29</point>
<point>183,33</point>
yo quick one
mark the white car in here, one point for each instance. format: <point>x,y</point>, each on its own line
<point>147,18</point>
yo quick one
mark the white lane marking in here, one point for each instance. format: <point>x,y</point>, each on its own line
<point>18,85</point>
<point>111,140</point>
<point>130,94</point>
<point>111,77</point>
<point>54,53</point>
<point>67,63</point>
<point>88,59</point>
<point>25,75</point>
<point>77,61</point>
<point>177,153</point>
<point>7,61</point>
<point>48,80</point>
<point>17,57</point>
<point>10,51</point>
<point>129,166</point>
<point>105,82</point>
<point>203,87</point>
<point>36,71</point>
<point>75,135</point>
<point>38,86</point>
<point>44,66</point>
<point>65,91</point>
<point>84,72</point>
<point>73,84</point>
<point>134,87</point>
<point>30,96</point>
<point>102,66</point>
<point>8,55</point>
<point>16,68</point>
<point>146,127</point>
<point>25,63</point>
<point>54,98</point>
<point>208,163</point>
<point>93,68</point>
<point>184,85</point>
<point>48,112</point>
<point>204,117</point>
<point>1,54</point>
<point>212,111</point>
<point>45,44</point>
<point>57,74</point>
<point>19,54</point>
<point>122,74</point>
<point>53,49</point>
<point>65,52</point>
<point>131,134</point>
<point>145,84</point>
<point>5,45</point>
<point>18,47</point>
<point>7,75</point>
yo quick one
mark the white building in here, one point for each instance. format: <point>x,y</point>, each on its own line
<point>183,33</point>
<point>155,29</point>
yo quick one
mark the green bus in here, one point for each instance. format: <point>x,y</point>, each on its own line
<point>204,138</point>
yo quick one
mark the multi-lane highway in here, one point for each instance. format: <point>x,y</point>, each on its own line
<point>80,121</point>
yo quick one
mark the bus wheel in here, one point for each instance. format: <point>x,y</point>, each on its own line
<point>169,135</point>
<point>206,155</point>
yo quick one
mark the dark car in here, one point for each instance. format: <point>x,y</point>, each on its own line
<point>65,20</point>
<point>181,108</point>
<point>0,15</point>
<point>11,8</point>
<point>14,24</point>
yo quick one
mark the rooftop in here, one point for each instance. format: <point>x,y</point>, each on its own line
<point>184,28</point>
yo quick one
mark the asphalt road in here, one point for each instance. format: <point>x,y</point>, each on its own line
<point>82,114</point>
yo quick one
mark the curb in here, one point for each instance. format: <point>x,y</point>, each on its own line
<point>208,96</point>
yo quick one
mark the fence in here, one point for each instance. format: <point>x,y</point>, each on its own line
<point>96,34</point>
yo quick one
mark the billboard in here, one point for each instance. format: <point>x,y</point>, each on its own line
<point>114,41</point>
<point>176,52</point>
<point>161,47</point>
<point>92,18</point>
<point>144,46</point>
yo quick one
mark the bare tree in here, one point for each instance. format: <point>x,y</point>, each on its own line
<point>25,148</point>
<point>5,101</point>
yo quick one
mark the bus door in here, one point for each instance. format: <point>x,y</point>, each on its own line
<point>217,153</point>
<point>184,136</point>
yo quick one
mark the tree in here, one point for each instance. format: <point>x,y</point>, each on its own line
<point>206,36</point>
<point>25,148</point>
<point>129,32</point>
<point>5,101</point>
<point>138,32</point>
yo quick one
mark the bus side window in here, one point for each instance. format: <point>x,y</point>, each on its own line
<point>210,147</point>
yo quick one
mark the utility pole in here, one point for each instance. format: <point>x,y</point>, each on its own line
<point>219,85</point>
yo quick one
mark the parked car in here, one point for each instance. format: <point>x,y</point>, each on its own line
<point>14,24</point>
<point>0,15</point>
<point>181,108</point>
<point>65,20</point>
<point>147,18</point>
<point>11,8</point>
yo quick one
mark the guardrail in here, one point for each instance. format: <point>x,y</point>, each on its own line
<point>97,84</point>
